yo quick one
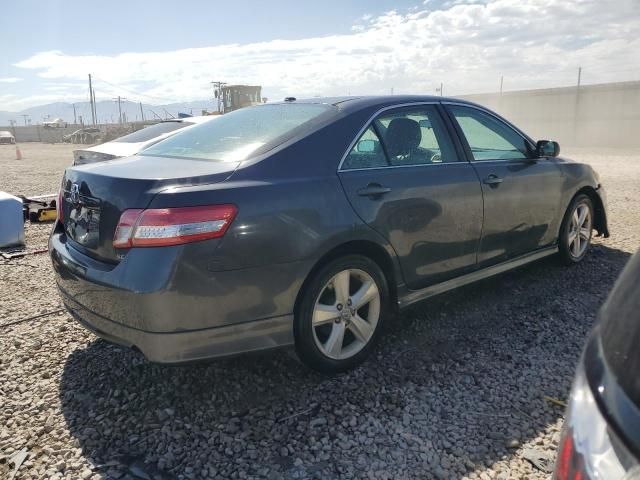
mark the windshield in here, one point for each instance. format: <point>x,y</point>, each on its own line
<point>152,131</point>
<point>235,136</point>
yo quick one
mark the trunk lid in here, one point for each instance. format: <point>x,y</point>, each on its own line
<point>95,195</point>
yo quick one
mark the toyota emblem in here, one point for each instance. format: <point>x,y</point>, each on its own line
<point>75,194</point>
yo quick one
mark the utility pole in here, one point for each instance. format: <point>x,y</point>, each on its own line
<point>141,112</point>
<point>119,100</point>
<point>441,89</point>
<point>579,75</point>
<point>501,82</point>
<point>75,119</point>
<point>95,107</point>
<point>25,118</point>
<point>217,90</point>
<point>92,101</point>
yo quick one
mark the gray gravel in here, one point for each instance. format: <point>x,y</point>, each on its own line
<point>455,389</point>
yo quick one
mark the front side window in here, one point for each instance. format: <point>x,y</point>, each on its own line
<point>488,137</point>
<point>237,135</point>
<point>404,137</point>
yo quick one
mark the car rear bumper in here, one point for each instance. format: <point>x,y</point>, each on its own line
<point>180,347</point>
<point>147,301</point>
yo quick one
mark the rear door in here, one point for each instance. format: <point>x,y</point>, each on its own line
<point>404,178</point>
<point>522,194</point>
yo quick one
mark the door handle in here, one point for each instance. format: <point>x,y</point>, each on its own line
<point>492,180</point>
<point>373,190</point>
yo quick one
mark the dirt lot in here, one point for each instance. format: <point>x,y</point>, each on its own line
<point>455,391</point>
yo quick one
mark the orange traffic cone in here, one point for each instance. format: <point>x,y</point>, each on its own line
<point>18,153</point>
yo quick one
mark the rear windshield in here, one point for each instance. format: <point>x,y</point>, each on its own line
<point>235,136</point>
<point>152,131</point>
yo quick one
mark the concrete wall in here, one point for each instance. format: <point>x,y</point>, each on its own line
<point>606,115</point>
<point>37,133</point>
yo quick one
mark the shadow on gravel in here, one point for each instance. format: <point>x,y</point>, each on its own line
<point>449,390</point>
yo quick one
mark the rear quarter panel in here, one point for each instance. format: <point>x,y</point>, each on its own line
<point>291,211</point>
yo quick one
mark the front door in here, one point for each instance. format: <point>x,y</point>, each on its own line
<point>522,193</point>
<point>406,180</point>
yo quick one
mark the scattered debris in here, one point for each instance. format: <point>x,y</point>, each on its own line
<point>21,252</point>
<point>543,461</point>
<point>555,401</point>
<point>302,412</point>
<point>17,459</point>
<point>34,317</point>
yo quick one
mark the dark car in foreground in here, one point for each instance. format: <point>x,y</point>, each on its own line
<point>601,438</point>
<point>308,223</point>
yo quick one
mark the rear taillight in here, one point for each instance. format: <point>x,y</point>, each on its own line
<point>161,227</point>
<point>59,206</point>
<point>589,448</point>
<point>570,464</point>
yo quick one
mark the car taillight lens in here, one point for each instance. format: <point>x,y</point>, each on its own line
<point>59,206</point>
<point>159,227</point>
<point>589,449</point>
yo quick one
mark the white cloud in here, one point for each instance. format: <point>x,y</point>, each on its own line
<point>10,80</point>
<point>467,45</point>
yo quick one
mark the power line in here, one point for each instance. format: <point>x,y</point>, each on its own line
<point>129,90</point>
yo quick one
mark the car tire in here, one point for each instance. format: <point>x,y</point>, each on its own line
<point>576,230</point>
<point>333,331</point>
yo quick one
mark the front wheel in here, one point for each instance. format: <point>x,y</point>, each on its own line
<point>341,314</point>
<point>576,230</point>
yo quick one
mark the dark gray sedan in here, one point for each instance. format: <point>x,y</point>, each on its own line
<point>309,223</point>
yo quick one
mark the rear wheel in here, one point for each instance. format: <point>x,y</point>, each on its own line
<point>575,234</point>
<point>341,314</point>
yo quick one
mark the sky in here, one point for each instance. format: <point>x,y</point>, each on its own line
<point>169,51</point>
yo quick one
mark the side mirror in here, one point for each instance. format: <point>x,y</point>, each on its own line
<point>547,148</point>
<point>366,146</point>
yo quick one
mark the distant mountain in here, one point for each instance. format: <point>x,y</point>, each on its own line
<point>107,111</point>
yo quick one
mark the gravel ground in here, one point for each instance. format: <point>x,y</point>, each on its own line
<point>455,390</point>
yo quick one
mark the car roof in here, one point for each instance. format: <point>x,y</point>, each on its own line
<point>193,119</point>
<point>354,103</point>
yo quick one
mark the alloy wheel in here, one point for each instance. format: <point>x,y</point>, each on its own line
<point>346,314</point>
<point>579,230</point>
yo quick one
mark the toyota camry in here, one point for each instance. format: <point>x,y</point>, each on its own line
<point>309,223</point>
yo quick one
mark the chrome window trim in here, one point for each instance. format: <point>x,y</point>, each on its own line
<point>404,166</point>
<point>368,123</point>
<point>524,136</point>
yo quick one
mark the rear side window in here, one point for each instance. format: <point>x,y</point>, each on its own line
<point>488,137</point>
<point>366,153</point>
<point>237,135</point>
<point>152,131</point>
<point>402,137</point>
